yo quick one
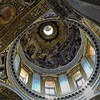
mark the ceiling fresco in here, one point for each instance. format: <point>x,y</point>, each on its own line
<point>55,50</point>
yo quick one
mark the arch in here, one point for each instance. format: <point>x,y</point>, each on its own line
<point>12,90</point>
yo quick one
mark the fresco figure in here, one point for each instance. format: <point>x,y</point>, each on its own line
<point>6,14</point>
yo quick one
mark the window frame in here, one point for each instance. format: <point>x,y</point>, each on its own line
<point>50,88</point>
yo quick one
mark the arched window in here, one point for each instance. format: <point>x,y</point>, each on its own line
<point>92,53</point>
<point>87,67</point>
<point>16,62</point>
<point>50,87</point>
<point>24,76</point>
<point>78,79</point>
<point>64,84</point>
<point>36,84</point>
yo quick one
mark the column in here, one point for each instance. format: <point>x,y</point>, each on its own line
<point>42,86</point>
<point>83,72</point>
<point>58,89</point>
<point>71,83</point>
<point>30,80</point>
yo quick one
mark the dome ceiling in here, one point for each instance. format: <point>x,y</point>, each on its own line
<point>72,40</point>
<point>51,41</point>
<point>52,50</point>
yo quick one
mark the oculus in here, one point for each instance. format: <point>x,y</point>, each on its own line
<point>48,31</point>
